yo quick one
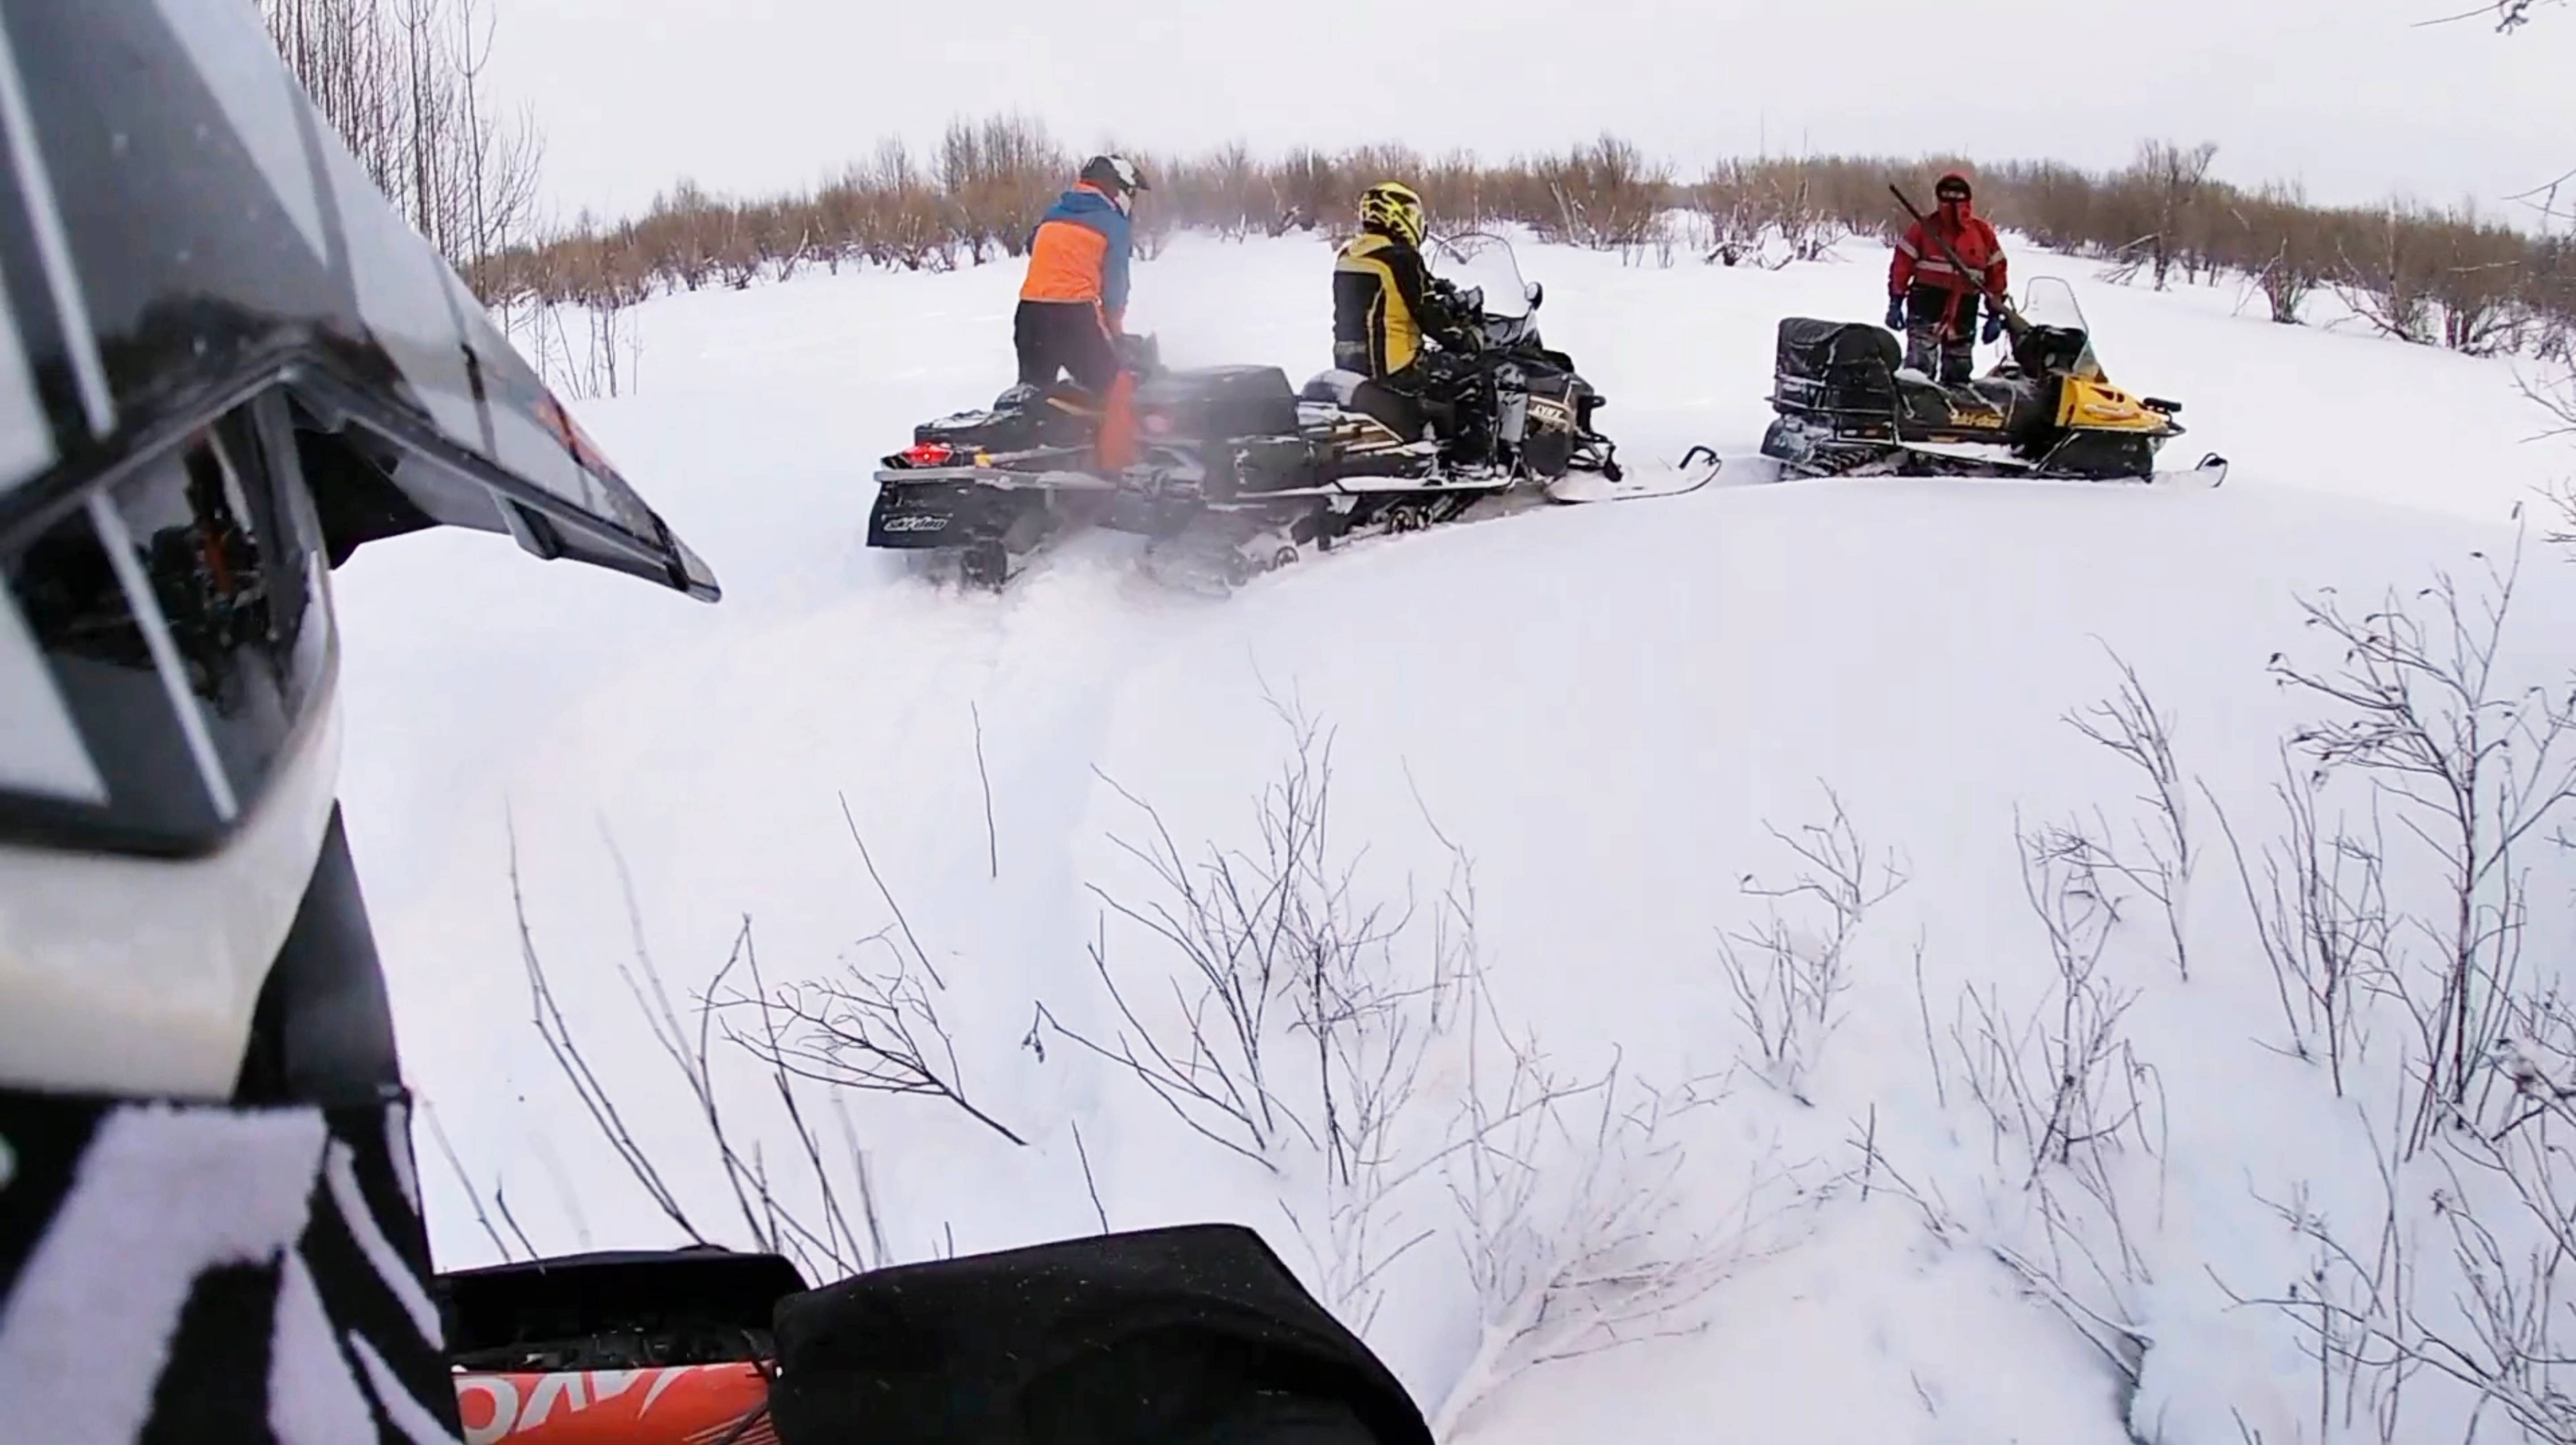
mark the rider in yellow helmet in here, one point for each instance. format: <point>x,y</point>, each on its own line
<point>1379,281</point>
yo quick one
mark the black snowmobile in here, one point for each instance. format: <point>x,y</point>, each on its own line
<point>1848,406</point>
<point>1239,474</point>
<point>1196,1333</point>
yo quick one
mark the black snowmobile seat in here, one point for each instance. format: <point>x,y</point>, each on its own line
<point>1196,1335</point>
<point>1835,367</point>
<point>1217,402</point>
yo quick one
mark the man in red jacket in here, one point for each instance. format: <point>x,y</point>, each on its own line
<point>1934,302</point>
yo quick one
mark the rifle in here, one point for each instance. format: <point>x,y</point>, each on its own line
<point>2013,319</point>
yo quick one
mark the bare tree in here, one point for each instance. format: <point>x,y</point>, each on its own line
<point>2174,175</point>
<point>402,82</point>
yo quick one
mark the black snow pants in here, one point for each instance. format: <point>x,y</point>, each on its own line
<point>1943,322</point>
<point>1055,336</point>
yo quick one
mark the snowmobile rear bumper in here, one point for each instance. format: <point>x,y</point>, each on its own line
<point>969,506</point>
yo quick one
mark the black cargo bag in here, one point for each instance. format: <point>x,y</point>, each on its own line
<point>1835,366</point>
<point>1215,403</point>
<point>1188,1336</point>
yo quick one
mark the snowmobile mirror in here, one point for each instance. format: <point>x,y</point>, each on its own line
<point>1536,293</point>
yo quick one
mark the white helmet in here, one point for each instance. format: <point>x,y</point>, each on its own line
<point>1115,177</point>
<point>225,363</point>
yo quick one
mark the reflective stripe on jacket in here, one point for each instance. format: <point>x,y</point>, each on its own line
<point>1920,260</point>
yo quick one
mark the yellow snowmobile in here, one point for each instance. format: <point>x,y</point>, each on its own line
<point>1848,406</point>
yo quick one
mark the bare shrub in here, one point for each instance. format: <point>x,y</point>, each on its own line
<point>2130,727</point>
<point>2284,245</point>
<point>2385,271</point>
<point>1607,196</point>
<point>2453,279</point>
<point>1580,1234</point>
<point>2478,283</point>
<point>2074,1114</point>
<point>1788,981</point>
<point>1258,932</point>
<point>820,1239</point>
<point>2472,767</point>
<point>2322,918</point>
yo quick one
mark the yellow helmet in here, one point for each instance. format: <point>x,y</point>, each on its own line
<point>1393,207</point>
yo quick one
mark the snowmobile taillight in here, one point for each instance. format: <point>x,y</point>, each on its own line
<point>927,454</point>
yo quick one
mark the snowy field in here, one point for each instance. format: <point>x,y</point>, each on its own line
<point>1606,711</point>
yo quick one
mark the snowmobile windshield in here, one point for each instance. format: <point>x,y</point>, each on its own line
<point>195,235</point>
<point>2066,342</point>
<point>2051,302</point>
<point>1483,263</point>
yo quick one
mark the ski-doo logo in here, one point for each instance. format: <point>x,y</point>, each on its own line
<point>920,522</point>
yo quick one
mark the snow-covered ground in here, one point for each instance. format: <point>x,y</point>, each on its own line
<point>1608,710</point>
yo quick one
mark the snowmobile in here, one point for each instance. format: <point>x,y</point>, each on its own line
<point>1239,474</point>
<point>1849,406</point>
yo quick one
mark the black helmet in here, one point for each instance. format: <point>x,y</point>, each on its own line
<point>225,363</point>
<point>1115,177</point>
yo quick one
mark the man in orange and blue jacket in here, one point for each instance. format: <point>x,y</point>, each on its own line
<point>1075,298</point>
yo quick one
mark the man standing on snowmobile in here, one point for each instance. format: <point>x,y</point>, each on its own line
<point>1074,302</point>
<point>1931,299</point>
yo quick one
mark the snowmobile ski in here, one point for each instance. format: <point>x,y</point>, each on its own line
<point>1698,467</point>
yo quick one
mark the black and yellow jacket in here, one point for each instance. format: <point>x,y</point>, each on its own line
<point>1378,310</point>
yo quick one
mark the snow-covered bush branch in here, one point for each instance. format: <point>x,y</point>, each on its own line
<point>2322,919</point>
<point>873,1029</point>
<point>2471,767</point>
<point>2413,1339</point>
<point>1581,1232</point>
<point>2130,727</point>
<point>1271,939</point>
<point>819,1236</point>
<point>2076,1120</point>
<point>1789,981</point>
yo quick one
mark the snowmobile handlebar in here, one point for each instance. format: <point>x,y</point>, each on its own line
<point>2014,321</point>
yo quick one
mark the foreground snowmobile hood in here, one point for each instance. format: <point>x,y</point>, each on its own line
<point>266,257</point>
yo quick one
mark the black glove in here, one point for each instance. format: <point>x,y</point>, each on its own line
<point>1994,326</point>
<point>1896,313</point>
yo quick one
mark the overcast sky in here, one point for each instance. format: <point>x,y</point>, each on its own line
<point>757,96</point>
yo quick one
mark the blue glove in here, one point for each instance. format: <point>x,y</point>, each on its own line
<point>1896,313</point>
<point>1994,326</point>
